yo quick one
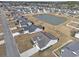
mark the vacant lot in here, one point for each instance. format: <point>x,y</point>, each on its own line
<point>1,37</point>
<point>2,51</point>
<point>23,42</point>
<point>12,24</point>
<point>1,29</point>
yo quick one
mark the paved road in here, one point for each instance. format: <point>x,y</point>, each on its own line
<point>11,49</point>
<point>29,52</point>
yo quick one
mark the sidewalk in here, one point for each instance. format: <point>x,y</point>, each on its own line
<point>29,52</point>
<point>2,42</point>
<point>1,34</point>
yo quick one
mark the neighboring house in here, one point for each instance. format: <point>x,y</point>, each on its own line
<point>77,34</point>
<point>71,50</point>
<point>28,26</point>
<point>43,40</point>
<point>32,29</point>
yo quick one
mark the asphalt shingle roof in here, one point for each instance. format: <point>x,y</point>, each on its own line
<point>71,50</point>
<point>43,39</point>
<point>26,24</point>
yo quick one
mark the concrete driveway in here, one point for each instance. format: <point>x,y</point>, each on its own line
<point>29,52</point>
<point>2,42</point>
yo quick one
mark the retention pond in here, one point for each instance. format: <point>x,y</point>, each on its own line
<point>55,20</point>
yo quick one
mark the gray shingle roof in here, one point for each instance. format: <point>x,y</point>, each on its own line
<point>71,50</point>
<point>43,39</point>
<point>74,46</point>
<point>26,24</point>
<point>25,28</point>
<point>32,28</point>
<point>67,53</point>
<point>23,23</point>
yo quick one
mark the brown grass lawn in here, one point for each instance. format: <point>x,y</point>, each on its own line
<point>23,42</point>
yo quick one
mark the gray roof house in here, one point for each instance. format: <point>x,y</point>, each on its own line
<point>28,26</point>
<point>44,40</point>
<point>71,50</point>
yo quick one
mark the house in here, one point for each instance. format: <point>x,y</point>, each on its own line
<point>43,40</point>
<point>77,34</point>
<point>71,50</point>
<point>32,29</point>
<point>28,26</point>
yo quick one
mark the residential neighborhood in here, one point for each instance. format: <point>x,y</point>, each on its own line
<point>39,29</point>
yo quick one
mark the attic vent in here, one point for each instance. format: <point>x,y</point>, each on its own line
<point>38,38</point>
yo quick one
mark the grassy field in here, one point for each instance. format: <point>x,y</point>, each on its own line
<point>1,29</point>
<point>2,51</point>
<point>1,37</point>
<point>12,24</point>
<point>23,42</point>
